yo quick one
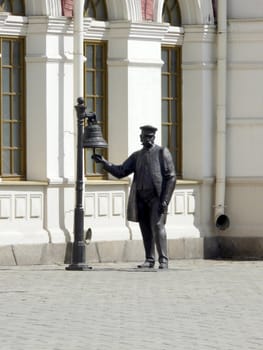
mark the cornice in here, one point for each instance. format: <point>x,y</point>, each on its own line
<point>145,30</point>
<point>14,25</point>
<point>47,24</point>
<point>174,35</point>
<point>199,33</point>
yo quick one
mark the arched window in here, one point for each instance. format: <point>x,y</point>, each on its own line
<point>171,89</point>
<point>96,9</point>
<point>16,7</point>
<point>171,12</point>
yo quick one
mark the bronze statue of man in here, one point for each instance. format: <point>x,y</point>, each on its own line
<point>151,190</point>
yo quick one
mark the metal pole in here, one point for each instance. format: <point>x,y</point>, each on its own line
<point>78,252</point>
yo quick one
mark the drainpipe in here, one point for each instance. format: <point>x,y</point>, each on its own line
<point>221,219</point>
<point>78,59</point>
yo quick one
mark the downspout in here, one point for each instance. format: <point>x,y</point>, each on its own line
<point>222,221</point>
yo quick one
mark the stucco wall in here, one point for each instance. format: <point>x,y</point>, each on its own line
<point>43,212</point>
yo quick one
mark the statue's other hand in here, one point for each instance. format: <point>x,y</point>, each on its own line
<point>98,158</point>
<point>163,207</point>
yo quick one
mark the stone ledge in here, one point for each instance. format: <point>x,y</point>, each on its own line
<point>111,251</point>
<point>132,251</point>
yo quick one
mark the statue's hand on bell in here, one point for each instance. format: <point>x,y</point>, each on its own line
<point>98,158</point>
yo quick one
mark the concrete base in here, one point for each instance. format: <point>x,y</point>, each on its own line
<point>240,247</point>
<point>132,251</point>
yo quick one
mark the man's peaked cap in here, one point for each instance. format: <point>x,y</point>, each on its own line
<point>148,129</point>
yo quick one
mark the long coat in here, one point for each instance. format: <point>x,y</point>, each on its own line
<point>161,169</point>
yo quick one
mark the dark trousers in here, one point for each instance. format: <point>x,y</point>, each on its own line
<point>152,225</point>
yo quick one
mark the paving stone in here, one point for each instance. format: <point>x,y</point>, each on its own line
<point>195,305</point>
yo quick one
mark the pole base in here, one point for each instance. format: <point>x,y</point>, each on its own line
<point>78,267</point>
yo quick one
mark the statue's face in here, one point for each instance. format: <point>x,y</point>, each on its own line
<point>147,140</point>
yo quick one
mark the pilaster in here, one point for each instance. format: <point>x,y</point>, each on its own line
<point>199,63</point>
<point>49,100</point>
<point>50,119</point>
<point>134,71</point>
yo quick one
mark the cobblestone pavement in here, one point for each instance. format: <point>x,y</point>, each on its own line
<point>196,304</point>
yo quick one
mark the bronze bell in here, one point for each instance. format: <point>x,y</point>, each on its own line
<point>92,137</point>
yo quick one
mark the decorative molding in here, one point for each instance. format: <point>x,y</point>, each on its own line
<point>4,184</point>
<point>107,182</point>
<point>200,66</point>
<point>134,63</point>
<point>103,204</point>
<point>117,204</point>
<point>17,206</point>
<point>183,203</point>
<point>146,31</point>
<point>179,203</point>
<point>95,30</point>
<point>245,65</point>
<point>13,25</point>
<point>174,36</point>
<point>35,211</point>
<point>191,203</point>
<point>43,59</point>
<point>20,206</point>
<point>67,58</point>
<point>49,25</point>
<point>5,206</point>
<point>199,33</point>
<point>89,204</point>
<point>245,122</point>
<point>245,180</point>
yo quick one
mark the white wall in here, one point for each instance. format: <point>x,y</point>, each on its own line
<point>43,211</point>
<point>244,9</point>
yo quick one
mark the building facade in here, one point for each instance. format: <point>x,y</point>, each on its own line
<point>191,68</point>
